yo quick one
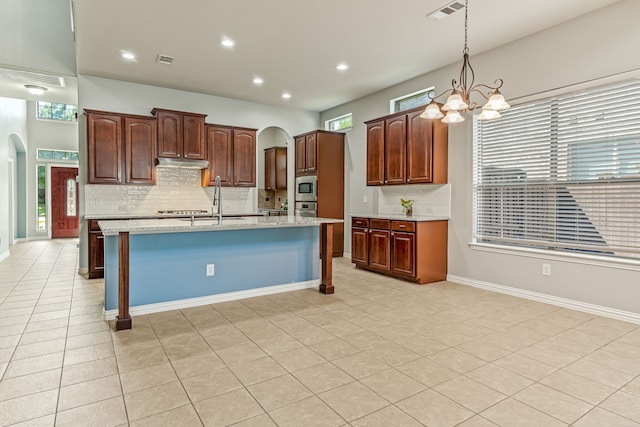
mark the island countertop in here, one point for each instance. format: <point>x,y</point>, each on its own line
<point>401,217</point>
<point>174,225</point>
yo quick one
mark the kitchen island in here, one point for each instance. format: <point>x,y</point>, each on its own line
<point>164,264</point>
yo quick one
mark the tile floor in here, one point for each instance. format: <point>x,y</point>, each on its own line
<point>380,352</point>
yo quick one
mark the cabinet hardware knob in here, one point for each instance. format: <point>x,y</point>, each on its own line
<point>402,226</point>
<point>393,234</point>
<point>370,231</point>
<point>409,180</point>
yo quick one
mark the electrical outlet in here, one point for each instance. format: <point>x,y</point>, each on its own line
<point>211,270</point>
<point>546,269</point>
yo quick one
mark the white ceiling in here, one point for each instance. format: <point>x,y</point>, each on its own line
<point>295,44</point>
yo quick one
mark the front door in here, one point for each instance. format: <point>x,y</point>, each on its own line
<point>64,202</point>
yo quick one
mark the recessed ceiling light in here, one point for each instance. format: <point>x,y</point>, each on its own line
<point>342,67</point>
<point>286,95</point>
<point>227,42</point>
<point>258,81</point>
<point>36,90</point>
<point>128,55</point>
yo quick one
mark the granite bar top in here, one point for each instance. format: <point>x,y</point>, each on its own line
<point>156,215</point>
<point>177,225</point>
<point>401,217</point>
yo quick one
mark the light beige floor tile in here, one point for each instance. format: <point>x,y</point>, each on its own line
<point>228,408</point>
<point>298,358</point>
<point>195,365</point>
<point>310,412</point>
<point>427,372</point>
<point>628,362</point>
<point>10,341</point>
<point>633,387</point>
<point>88,339</point>
<point>279,392</point>
<point>278,344</point>
<point>211,384</point>
<point>38,349</point>
<point>353,401</point>
<point>87,354</point>
<point>258,370</point>
<point>241,353</point>
<point>334,349</point>
<point>433,409</point>
<point>89,371</point>
<point>389,416</point>
<point>552,402</point>
<point>483,350</point>
<point>457,360</point>
<point>263,420</point>
<point>140,359</point>
<point>469,393</point>
<point>28,407</point>
<point>500,379</point>
<point>147,377</point>
<point>361,365</point>
<point>596,372</point>
<point>46,421</point>
<point>45,335</point>
<point>80,394</point>
<point>11,388</point>
<point>526,367</point>
<point>393,385</point>
<point>476,421</point>
<point>105,413</point>
<point>577,386</point>
<point>186,345</point>
<point>34,364</point>
<point>511,413</point>
<point>599,417</point>
<point>624,404</point>
<point>184,416</point>
<point>155,400</point>
<point>323,377</point>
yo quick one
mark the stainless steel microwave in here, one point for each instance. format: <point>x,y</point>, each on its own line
<point>306,188</point>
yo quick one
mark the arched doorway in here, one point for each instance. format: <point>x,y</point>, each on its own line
<point>274,136</point>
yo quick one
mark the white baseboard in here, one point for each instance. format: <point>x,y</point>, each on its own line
<point>5,255</point>
<point>211,299</point>
<point>83,270</point>
<point>626,316</point>
<point>346,255</point>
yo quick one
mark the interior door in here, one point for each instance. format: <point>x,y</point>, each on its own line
<point>64,202</point>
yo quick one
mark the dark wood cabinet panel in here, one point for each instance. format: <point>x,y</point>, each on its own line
<point>193,146</point>
<point>395,141</point>
<point>379,249</point>
<point>306,154</point>
<point>275,168</point>
<point>244,158</point>
<point>375,153</point>
<point>403,247</point>
<point>220,156</point>
<point>419,149</point>
<point>140,150</point>
<point>96,250</point>
<point>310,152</point>
<point>104,147</point>
<point>301,154</point>
<point>360,246</point>
<point>170,133</point>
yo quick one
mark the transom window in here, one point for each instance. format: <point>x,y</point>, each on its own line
<point>344,122</point>
<point>562,174</point>
<point>54,111</point>
<point>411,100</point>
<point>45,154</point>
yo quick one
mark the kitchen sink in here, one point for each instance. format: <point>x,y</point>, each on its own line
<point>209,220</point>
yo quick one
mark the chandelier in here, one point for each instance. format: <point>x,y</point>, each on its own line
<point>459,99</point>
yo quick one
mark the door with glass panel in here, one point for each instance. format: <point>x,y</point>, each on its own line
<point>64,202</point>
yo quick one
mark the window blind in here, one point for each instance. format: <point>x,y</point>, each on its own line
<point>562,174</point>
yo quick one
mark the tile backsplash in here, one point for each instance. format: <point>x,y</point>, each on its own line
<point>430,200</point>
<point>175,189</point>
<point>271,199</point>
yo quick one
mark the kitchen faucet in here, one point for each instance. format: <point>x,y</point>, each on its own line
<point>217,199</point>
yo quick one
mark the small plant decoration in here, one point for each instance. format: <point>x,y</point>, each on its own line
<point>407,206</point>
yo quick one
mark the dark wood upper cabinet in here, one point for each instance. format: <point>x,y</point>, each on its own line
<point>140,150</point>
<point>395,145</point>
<point>301,155</point>
<point>275,168</point>
<point>232,155</point>
<point>403,148</point>
<point>104,147</point>
<point>180,134</point>
<point>306,154</point>
<point>310,142</point>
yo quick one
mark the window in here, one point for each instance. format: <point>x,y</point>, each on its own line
<point>562,174</point>
<point>53,111</point>
<point>339,123</point>
<point>56,154</point>
<point>41,194</point>
<point>71,197</point>
<point>411,100</point>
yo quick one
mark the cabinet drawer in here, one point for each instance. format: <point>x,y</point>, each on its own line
<point>360,222</point>
<point>382,224</point>
<point>93,225</point>
<point>409,226</point>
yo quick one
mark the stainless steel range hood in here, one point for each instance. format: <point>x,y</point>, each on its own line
<point>170,162</point>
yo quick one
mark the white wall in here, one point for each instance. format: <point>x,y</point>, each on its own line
<point>13,120</point>
<point>132,98</point>
<point>595,45</point>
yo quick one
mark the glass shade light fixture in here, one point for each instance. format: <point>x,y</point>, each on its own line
<point>459,99</point>
<point>35,90</point>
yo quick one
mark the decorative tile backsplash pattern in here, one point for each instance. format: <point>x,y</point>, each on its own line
<point>430,200</point>
<point>175,189</point>
<point>275,198</point>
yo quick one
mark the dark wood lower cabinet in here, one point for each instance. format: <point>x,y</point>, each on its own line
<point>96,250</point>
<point>410,250</point>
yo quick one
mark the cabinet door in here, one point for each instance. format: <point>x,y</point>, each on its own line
<point>193,146</point>
<point>301,155</point>
<point>310,142</point>
<point>360,246</point>
<point>96,255</point>
<point>244,158</point>
<point>395,140</point>
<point>379,249</point>
<point>104,148</point>
<point>140,152</point>
<point>419,149</point>
<point>281,168</point>
<point>220,156</point>
<point>403,246</point>
<point>270,169</point>
<point>170,134</point>
<point>375,153</point>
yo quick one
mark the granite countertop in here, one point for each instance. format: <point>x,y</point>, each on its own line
<point>175,225</point>
<point>401,217</point>
<point>156,215</point>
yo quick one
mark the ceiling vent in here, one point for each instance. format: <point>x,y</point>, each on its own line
<point>164,59</point>
<point>446,10</point>
<point>24,76</point>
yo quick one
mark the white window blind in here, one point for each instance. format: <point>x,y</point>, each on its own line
<point>562,174</point>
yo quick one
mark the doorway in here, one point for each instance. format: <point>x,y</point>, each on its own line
<point>64,202</point>
<point>12,203</point>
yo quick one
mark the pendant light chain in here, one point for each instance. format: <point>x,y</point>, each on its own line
<point>466,25</point>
